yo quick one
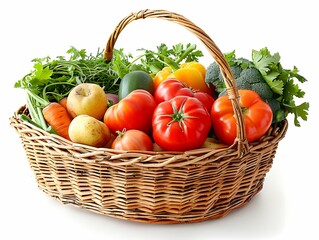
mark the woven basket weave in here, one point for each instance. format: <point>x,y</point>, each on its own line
<point>153,187</point>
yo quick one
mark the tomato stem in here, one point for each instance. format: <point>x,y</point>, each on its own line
<point>120,133</point>
<point>178,115</point>
<point>244,110</point>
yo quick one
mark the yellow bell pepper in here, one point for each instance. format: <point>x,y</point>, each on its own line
<point>162,75</point>
<point>193,75</point>
<point>190,73</point>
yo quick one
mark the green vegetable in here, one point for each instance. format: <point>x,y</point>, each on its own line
<point>52,79</point>
<point>251,79</point>
<point>135,80</point>
<point>265,75</point>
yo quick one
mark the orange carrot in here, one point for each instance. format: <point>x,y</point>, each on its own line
<point>58,118</point>
<point>63,102</point>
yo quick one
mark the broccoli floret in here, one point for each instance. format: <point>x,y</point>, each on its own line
<point>241,83</point>
<point>250,78</point>
<point>212,72</point>
<point>236,71</point>
<point>212,77</point>
<point>263,89</point>
<point>251,75</point>
<point>215,77</point>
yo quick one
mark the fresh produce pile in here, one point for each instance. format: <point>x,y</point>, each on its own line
<point>265,75</point>
<point>161,100</point>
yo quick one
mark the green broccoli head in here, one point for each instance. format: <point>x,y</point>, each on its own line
<point>251,75</point>
<point>236,71</point>
<point>260,86</point>
<point>246,76</point>
<point>212,77</point>
<point>212,72</point>
<point>263,89</point>
<point>215,77</point>
<point>241,83</point>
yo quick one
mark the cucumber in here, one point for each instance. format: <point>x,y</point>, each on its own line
<point>135,80</point>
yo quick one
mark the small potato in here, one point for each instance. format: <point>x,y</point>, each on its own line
<point>88,130</point>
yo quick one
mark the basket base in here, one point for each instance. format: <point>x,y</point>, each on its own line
<point>159,219</point>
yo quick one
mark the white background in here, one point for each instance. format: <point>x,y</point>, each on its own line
<point>285,208</point>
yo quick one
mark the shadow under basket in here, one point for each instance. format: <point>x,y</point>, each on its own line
<point>153,187</point>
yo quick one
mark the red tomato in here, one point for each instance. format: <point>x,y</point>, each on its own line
<point>172,87</point>
<point>257,117</point>
<point>135,111</point>
<point>133,140</point>
<point>181,124</point>
<point>206,99</point>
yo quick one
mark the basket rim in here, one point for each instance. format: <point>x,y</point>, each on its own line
<point>141,158</point>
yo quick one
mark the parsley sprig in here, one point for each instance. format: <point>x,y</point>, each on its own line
<point>283,82</point>
<point>154,61</point>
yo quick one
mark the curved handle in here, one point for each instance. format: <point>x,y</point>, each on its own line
<point>218,56</point>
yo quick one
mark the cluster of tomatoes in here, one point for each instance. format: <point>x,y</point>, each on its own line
<point>180,113</point>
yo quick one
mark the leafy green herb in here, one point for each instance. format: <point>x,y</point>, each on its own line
<point>154,61</point>
<point>283,82</point>
<point>267,65</point>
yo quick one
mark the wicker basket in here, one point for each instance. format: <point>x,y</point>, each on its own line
<point>153,187</point>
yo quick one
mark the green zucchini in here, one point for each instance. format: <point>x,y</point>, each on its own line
<point>135,80</point>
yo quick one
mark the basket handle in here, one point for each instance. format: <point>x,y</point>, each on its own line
<point>232,91</point>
